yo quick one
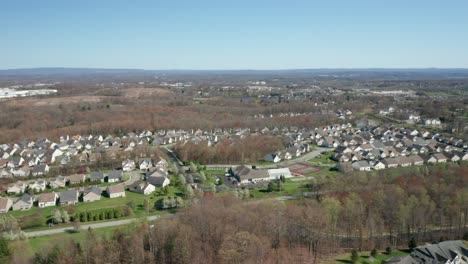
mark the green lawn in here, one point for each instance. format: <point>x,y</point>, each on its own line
<point>38,243</point>
<point>288,188</point>
<point>263,163</point>
<point>324,158</point>
<point>42,214</point>
<point>364,257</point>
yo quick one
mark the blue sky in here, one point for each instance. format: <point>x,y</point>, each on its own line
<point>237,34</point>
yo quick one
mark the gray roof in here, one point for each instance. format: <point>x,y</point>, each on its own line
<point>93,189</point>
<point>26,198</point>
<point>69,196</point>
<point>115,174</point>
<point>156,180</point>
<point>96,175</point>
<point>441,252</point>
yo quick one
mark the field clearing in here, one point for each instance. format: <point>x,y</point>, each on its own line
<point>37,244</point>
<point>56,100</point>
<point>364,257</point>
<point>138,92</point>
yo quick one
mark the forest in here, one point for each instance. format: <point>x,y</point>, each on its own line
<point>355,211</point>
<point>229,151</point>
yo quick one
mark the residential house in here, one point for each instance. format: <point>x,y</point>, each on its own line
<point>441,158</point>
<point>47,199</point>
<point>114,191</point>
<point>446,252</point>
<point>403,161</point>
<point>5,205</point>
<point>38,185</point>
<point>161,163</point>
<point>40,170</point>
<point>96,176</point>
<point>345,167</point>
<point>21,172</point>
<point>145,188</point>
<point>416,160</point>
<point>58,182</point>
<point>159,181</point>
<point>378,165</point>
<point>25,202</point>
<point>452,157</point>
<point>462,155</point>
<point>362,165</point>
<point>76,178</point>
<point>128,165</point>
<point>16,162</point>
<point>272,157</point>
<point>390,162</point>
<point>115,176</point>
<point>17,188</point>
<point>92,194</point>
<point>327,142</point>
<point>68,197</point>
<point>146,164</point>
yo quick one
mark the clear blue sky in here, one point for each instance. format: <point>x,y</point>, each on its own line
<point>237,34</point>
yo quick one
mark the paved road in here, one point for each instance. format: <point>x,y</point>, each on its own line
<point>134,176</point>
<point>303,158</point>
<point>177,163</point>
<point>96,225</point>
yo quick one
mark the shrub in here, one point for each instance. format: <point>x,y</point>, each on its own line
<point>354,256</point>
<point>388,250</point>
<point>412,243</point>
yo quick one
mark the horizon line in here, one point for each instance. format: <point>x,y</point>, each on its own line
<point>239,69</point>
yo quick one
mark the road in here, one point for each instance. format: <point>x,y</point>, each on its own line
<point>310,155</point>
<point>303,158</point>
<point>134,176</point>
<point>96,225</point>
<point>177,163</point>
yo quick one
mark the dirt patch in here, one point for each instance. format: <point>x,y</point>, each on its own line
<point>56,100</point>
<point>138,92</point>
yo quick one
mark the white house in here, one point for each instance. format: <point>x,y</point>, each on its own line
<point>114,191</point>
<point>47,199</point>
<point>128,165</point>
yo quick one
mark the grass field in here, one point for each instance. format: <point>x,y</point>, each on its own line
<point>288,188</point>
<point>42,214</point>
<point>36,244</point>
<point>324,159</point>
<point>364,257</point>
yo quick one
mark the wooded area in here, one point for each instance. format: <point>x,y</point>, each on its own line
<point>248,149</point>
<point>359,212</point>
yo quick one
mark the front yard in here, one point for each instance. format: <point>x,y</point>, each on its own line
<point>324,159</point>
<point>37,218</point>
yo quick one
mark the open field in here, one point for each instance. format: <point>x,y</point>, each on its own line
<point>141,92</point>
<point>364,257</point>
<point>37,244</point>
<point>324,159</point>
<point>288,188</point>
<point>55,100</point>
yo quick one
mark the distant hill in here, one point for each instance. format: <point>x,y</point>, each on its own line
<point>66,71</point>
<point>339,73</point>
